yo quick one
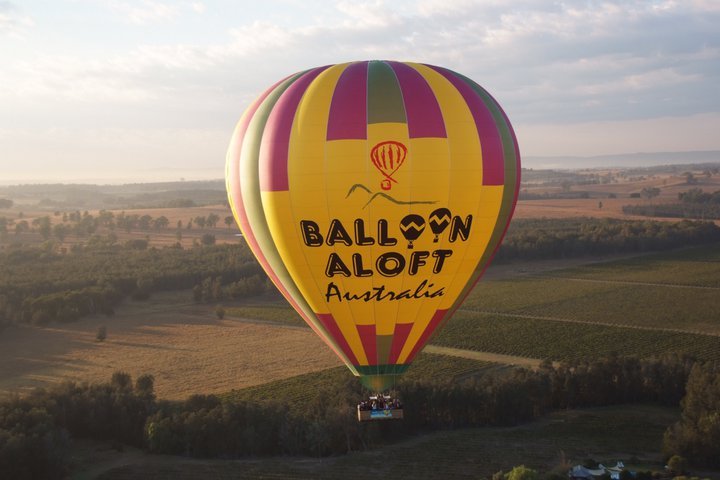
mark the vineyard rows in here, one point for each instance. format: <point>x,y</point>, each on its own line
<point>648,306</point>
<point>563,341</point>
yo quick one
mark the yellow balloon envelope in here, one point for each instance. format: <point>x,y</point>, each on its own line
<point>374,194</point>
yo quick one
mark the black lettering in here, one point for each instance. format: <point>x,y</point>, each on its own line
<point>358,266</point>
<point>417,259</point>
<point>458,228</point>
<point>440,256</point>
<point>336,265</point>
<point>337,233</point>
<point>311,233</point>
<point>390,264</point>
<point>360,237</point>
<point>332,291</point>
<point>383,238</point>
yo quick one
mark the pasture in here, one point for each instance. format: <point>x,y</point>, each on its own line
<point>183,345</point>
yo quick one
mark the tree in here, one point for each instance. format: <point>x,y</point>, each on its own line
<point>677,464</point>
<point>212,220</point>
<point>649,193</point>
<point>161,222</point>
<point>101,334</point>
<point>200,222</point>
<point>21,227</point>
<point>220,312</point>
<point>229,220</point>
<point>145,385</point>
<point>523,473</point>
<point>60,231</point>
<point>208,239</point>
<point>121,380</point>
<point>697,435</point>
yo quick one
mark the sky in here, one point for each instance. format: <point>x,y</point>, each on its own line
<point>144,90</point>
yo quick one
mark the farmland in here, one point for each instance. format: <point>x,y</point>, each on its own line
<point>562,309</point>
<point>649,305</point>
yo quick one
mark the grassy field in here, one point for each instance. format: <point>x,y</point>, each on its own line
<point>645,306</point>
<point>183,345</point>
<point>629,433</point>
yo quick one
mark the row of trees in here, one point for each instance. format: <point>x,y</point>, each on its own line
<point>694,203</point>
<point>530,239</point>
<point>213,289</point>
<point>86,224</point>
<point>35,430</point>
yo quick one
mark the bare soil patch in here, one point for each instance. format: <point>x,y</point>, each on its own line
<point>183,345</point>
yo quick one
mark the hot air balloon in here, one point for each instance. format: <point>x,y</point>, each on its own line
<point>374,194</point>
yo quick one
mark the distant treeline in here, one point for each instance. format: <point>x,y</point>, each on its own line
<point>675,210</point>
<point>40,285</point>
<point>118,196</point>
<point>695,203</point>
<point>85,225</point>
<point>530,239</point>
<point>36,430</point>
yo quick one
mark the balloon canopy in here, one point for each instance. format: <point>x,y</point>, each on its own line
<point>374,195</point>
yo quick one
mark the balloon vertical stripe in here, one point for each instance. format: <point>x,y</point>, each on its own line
<point>276,135</point>
<point>490,141</point>
<point>385,103</point>
<point>402,330</point>
<point>348,110</point>
<point>368,337</point>
<point>424,118</point>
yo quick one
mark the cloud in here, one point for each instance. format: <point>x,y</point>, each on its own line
<point>143,12</point>
<point>550,65</point>
<point>198,7</point>
<point>12,22</point>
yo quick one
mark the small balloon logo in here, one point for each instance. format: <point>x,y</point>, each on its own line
<point>439,220</point>
<point>411,227</point>
<point>387,158</point>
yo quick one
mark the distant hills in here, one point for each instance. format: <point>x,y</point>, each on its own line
<point>640,159</point>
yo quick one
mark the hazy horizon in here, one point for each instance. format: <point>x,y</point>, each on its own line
<point>627,160</point>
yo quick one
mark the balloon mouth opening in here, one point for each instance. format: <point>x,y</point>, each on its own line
<point>378,383</point>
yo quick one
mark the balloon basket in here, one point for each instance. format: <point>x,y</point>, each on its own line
<point>379,407</point>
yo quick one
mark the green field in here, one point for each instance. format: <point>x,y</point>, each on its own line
<point>695,266</point>
<point>645,306</point>
<point>547,339</point>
